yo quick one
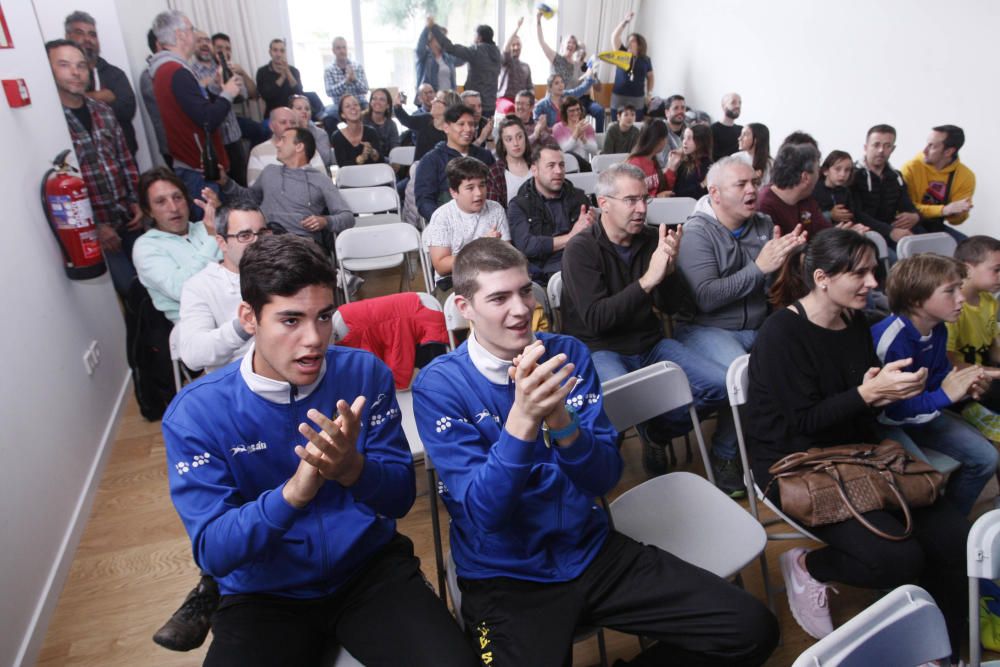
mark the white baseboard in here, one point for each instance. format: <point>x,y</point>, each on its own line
<point>31,646</point>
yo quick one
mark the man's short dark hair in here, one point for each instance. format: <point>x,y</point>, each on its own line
<point>282,266</point>
<point>530,94</point>
<point>148,178</point>
<point>456,111</point>
<point>465,169</point>
<point>544,145</point>
<point>151,40</point>
<point>791,161</point>
<point>672,99</point>
<point>276,40</point>
<point>976,249</point>
<point>54,44</point>
<point>308,141</point>
<point>954,136</point>
<point>484,255</point>
<point>221,35</point>
<point>799,137</point>
<point>881,128</point>
<point>485,33</point>
<point>234,204</point>
<point>628,107</point>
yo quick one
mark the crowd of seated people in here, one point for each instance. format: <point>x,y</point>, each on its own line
<point>773,260</point>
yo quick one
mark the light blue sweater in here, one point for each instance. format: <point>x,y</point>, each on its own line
<point>164,261</point>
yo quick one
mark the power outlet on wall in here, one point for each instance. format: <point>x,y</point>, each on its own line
<point>92,357</point>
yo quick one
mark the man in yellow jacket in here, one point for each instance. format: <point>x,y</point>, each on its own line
<point>939,184</point>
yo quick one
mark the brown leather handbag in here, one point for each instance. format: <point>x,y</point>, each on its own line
<point>828,485</point>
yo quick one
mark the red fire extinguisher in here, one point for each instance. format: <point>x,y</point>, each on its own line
<point>67,207</point>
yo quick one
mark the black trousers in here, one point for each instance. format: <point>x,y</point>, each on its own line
<point>698,618</point>
<point>387,615</point>
<point>933,556</point>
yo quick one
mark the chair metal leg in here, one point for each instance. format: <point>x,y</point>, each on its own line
<point>700,437</point>
<point>975,648</point>
<point>601,648</point>
<point>687,449</point>
<point>436,527</point>
<point>177,374</point>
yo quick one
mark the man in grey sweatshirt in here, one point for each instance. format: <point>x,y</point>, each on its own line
<point>484,61</point>
<point>730,252</point>
<point>298,197</point>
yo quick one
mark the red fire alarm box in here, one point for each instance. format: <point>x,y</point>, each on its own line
<point>16,91</point>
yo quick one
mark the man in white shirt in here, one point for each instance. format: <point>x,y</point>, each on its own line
<point>210,333</point>
<point>282,118</point>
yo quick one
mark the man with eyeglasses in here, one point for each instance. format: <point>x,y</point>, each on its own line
<point>880,190</point>
<point>210,334</point>
<point>613,274</point>
<point>731,254</point>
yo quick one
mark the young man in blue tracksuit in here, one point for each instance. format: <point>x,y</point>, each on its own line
<point>515,426</point>
<point>289,469</point>
<point>925,291</point>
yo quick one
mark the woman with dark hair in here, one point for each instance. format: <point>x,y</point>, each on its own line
<point>815,381</point>
<point>634,85</point>
<point>175,248</point>
<point>651,141</point>
<point>574,134</point>
<point>755,148</point>
<point>378,116</point>
<point>513,155</point>
<point>688,167</point>
<point>355,143</point>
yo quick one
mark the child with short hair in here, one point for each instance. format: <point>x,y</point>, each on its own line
<point>621,136</point>
<point>924,293</point>
<point>468,216</point>
<point>973,337</point>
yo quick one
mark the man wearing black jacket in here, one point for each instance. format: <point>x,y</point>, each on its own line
<point>613,274</point>
<point>547,212</point>
<point>880,190</point>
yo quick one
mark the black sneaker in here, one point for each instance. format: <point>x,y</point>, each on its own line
<point>189,626</point>
<point>729,477</point>
<point>654,458</point>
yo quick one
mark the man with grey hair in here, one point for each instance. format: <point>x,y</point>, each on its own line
<point>191,115</point>
<point>725,131</point>
<point>263,154</point>
<point>108,83</point>
<point>731,252</point>
<point>613,274</point>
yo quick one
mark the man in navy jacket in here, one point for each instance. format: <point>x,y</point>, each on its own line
<point>288,469</point>
<point>515,426</point>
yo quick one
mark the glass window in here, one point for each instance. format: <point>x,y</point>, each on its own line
<point>312,39</point>
<point>531,50</point>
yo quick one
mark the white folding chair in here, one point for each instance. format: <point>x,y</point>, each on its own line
<point>882,246</point>
<point>180,371</point>
<point>605,160</point>
<point>514,183</point>
<point>688,517</point>
<point>903,628</point>
<point>365,175</point>
<point>586,181</point>
<point>669,210</point>
<point>554,291</point>
<point>372,205</point>
<point>375,248</point>
<point>643,394</point>
<point>937,242</point>
<point>402,155</point>
<point>982,562</point>
<point>453,320</point>
<point>572,164</point>
<point>339,657</point>
<point>600,137</point>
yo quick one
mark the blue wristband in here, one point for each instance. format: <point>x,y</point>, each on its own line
<point>569,429</point>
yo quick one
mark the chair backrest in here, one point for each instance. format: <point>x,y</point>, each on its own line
<point>601,162</point>
<point>643,394</point>
<point>939,242</point>
<point>554,289</point>
<point>378,241</point>
<point>738,380</point>
<point>514,183</point>
<point>669,210</point>
<point>402,155</point>
<point>879,241</point>
<point>687,516</point>
<point>376,199</point>
<point>365,175</point>
<point>903,628</point>
<point>453,320</point>
<point>542,299</point>
<point>572,164</point>
<point>983,551</point>
<point>586,181</point>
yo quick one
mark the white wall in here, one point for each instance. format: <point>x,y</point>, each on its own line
<point>56,419</point>
<point>836,69</point>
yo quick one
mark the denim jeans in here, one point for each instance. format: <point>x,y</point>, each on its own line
<point>120,263</point>
<point>951,435</point>
<point>719,347</point>
<point>706,393</point>
<point>195,182</point>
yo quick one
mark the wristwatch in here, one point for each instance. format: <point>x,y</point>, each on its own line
<point>550,434</point>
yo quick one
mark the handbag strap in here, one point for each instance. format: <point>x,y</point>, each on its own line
<point>908,529</point>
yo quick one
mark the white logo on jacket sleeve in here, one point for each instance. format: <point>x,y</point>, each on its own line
<point>390,414</point>
<point>199,460</point>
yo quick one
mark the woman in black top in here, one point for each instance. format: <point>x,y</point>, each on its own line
<point>355,143</point>
<point>814,382</point>
<point>687,168</point>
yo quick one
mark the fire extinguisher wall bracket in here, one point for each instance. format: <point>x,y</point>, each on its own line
<point>71,219</point>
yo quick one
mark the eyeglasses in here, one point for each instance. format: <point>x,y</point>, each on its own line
<point>246,235</point>
<point>632,202</point>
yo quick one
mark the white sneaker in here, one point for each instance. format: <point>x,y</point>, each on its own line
<point>807,598</point>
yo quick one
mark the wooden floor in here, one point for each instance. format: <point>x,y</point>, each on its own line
<point>133,566</point>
